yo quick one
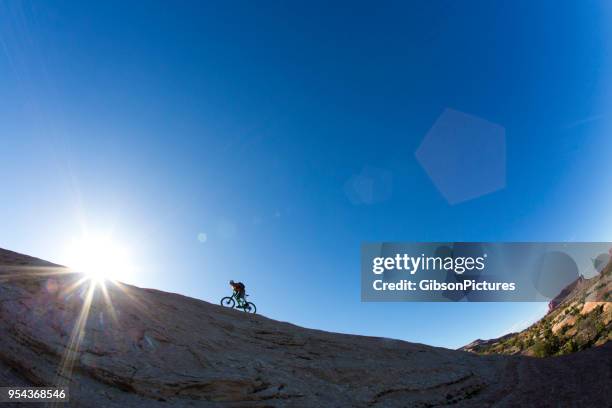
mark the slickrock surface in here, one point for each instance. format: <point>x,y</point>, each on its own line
<point>160,349</point>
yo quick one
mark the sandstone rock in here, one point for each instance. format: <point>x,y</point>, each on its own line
<point>568,320</point>
<point>153,348</point>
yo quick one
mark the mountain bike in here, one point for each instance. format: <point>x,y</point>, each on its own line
<point>234,301</point>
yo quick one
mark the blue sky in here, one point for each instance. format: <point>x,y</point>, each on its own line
<point>244,121</point>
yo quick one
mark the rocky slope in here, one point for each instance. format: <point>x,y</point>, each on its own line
<point>580,317</point>
<point>147,348</point>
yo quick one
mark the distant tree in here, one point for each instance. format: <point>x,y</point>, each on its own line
<point>569,347</point>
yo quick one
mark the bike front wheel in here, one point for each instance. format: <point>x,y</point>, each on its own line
<point>228,301</point>
<point>250,308</point>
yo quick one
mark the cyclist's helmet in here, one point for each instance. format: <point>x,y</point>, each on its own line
<point>231,282</point>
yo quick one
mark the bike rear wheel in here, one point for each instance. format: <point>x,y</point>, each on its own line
<point>228,301</point>
<point>250,308</point>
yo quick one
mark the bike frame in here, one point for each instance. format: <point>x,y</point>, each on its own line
<point>240,301</point>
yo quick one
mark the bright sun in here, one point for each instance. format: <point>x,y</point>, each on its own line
<point>99,257</point>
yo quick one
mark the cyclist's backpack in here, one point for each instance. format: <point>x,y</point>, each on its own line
<point>240,286</point>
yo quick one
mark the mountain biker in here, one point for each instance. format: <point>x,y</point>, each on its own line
<point>239,290</point>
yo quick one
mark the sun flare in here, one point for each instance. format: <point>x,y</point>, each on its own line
<point>99,257</point>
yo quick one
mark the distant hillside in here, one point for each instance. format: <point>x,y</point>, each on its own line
<point>580,317</point>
